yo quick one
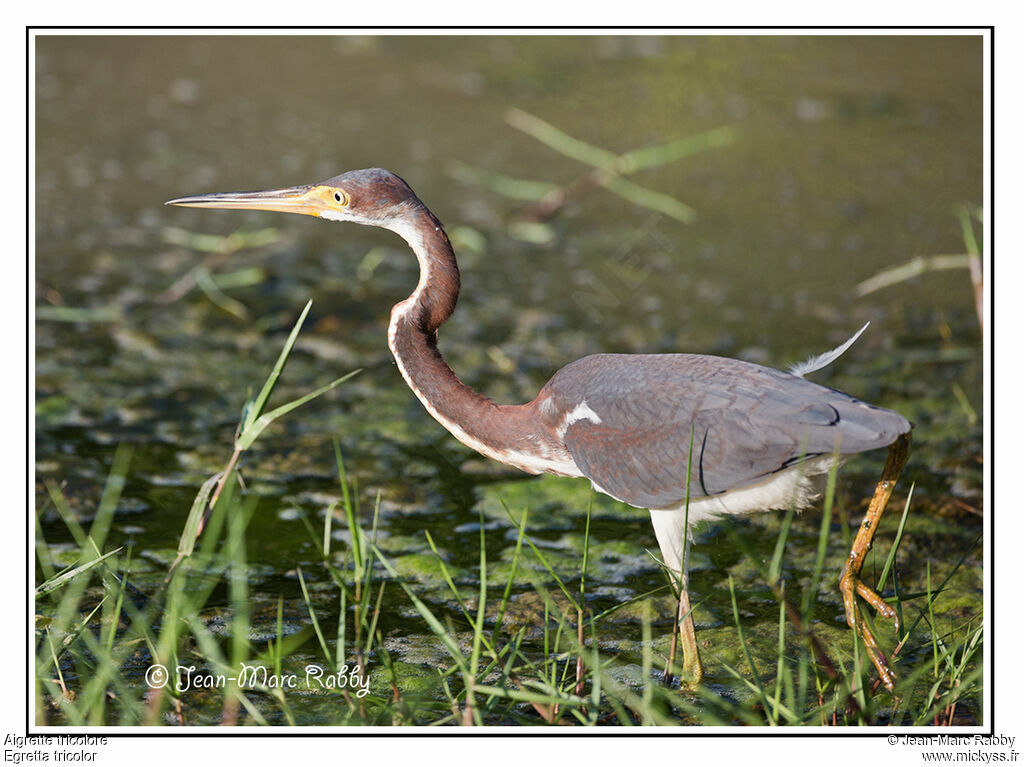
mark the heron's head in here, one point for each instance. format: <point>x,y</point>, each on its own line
<point>372,196</point>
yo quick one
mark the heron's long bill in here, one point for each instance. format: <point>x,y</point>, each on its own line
<point>307,200</point>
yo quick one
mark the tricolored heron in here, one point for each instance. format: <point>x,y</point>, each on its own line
<point>636,425</point>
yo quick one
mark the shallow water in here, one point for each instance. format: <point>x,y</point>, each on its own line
<point>848,158</point>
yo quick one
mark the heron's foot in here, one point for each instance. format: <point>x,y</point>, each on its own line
<point>850,583</point>
<point>851,587</point>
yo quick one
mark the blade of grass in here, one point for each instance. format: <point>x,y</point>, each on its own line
<point>435,625</point>
<point>743,644</point>
<point>896,542</point>
<point>540,556</point>
<point>253,430</point>
<point>652,200</point>
<point>60,580</point>
<point>819,562</point>
<point>775,568</point>
<point>256,409</point>
<point>312,616</point>
<point>681,148</point>
<point>558,140</point>
<point>206,283</point>
<point>511,579</point>
<point>193,524</point>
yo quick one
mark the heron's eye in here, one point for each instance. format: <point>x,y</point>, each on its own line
<point>339,198</point>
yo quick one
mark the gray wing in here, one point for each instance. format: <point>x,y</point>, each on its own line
<point>746,423</point>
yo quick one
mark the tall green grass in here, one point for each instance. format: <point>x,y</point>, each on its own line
<point>94,635</point>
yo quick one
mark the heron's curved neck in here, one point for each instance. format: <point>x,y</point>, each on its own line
<point>437,292</point>
<point>504,433</point>
<point>412,334</point>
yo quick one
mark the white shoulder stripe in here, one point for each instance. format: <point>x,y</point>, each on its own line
<point>582,412</point>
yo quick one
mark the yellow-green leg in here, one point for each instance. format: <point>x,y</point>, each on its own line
<point>674,540</point>
<point>692,671</point>
<point>850,583</point>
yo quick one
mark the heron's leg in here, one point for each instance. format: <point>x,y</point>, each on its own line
<point>850,583</point>
<point>692,669</point>
<point>674,541</point>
